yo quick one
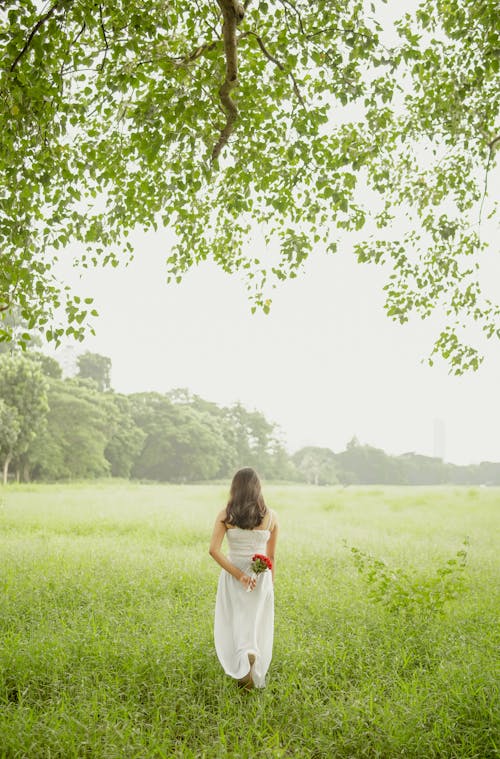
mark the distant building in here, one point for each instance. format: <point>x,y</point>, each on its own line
<point>439,439</point>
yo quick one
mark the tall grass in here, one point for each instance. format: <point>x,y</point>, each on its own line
<point>107,596</point>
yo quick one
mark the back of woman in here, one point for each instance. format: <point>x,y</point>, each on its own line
<point>244,607</point>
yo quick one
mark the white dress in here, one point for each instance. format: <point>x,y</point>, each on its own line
<point>244,621</point>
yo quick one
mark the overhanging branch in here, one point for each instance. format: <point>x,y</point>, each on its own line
<point>491,145</point>
<point>201,50</point>
<point>494,142</point>
<point>277,63</point>
<point>37,26</point>
<point>233,13</point>
<point>104,36</point>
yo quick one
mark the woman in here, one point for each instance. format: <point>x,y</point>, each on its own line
<point>244,607</point>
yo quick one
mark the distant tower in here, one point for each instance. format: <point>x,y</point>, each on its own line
<point>439,439</point>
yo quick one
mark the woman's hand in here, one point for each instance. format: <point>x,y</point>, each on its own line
<point>247,581</point>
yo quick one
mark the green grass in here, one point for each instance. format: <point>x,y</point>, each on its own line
<point>107,596</point>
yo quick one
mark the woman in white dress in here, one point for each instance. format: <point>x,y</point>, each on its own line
<point>244,607</point>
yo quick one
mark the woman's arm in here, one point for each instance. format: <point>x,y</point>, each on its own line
<point>216,553</point>
<point>271,543</point>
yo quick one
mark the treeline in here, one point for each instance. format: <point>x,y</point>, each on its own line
<point>367,465</point>
<point>55,429</point>
<point>79,428</point>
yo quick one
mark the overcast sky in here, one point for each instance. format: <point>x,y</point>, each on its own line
<point>325,364</point>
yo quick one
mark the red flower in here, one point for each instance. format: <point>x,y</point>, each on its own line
<point>260,563</point>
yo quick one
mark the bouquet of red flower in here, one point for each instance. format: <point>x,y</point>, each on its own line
<point>259,564</point>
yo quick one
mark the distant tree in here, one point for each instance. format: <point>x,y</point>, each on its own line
<point>366,465</point>
<point>73,442</point>
<point>417,469</point>
<point>280,465</point>
<point>249,437</point>
<point>96,367</point>
<point>182,443</point>
<point>9,432</point>
<point>316,465</point>
<point>50,367</point>
<point>23,388</point>
<point>346,477</point>
<point>489,473</point>
<point>126,438</point>
<point>459,475</point>
<point>227,455</point>
<point>255,442</point>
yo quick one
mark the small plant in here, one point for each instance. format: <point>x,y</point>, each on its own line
<point>398,591</point>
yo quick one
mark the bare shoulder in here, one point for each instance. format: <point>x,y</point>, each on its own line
<point>274,519</point>
<point>221,516</point>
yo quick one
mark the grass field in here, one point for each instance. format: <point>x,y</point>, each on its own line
<point>106,607</point>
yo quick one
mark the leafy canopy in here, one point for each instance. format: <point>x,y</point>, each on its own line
<point>23,399</point>
<point>300,121</point>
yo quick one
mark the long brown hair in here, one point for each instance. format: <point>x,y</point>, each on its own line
<point>246,507</point>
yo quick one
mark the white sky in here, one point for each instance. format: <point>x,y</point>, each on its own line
<point>325,364</point>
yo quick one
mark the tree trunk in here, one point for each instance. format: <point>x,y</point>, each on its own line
<point>26,472</point>
<point>6,468</point>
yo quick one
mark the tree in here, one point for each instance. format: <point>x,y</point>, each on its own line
<point>216,416</point>
<point>72,443</point>
<point>316,465</point>
<point>9,433</point>
<point>50,366</point>
<point>23,391</point>
<point>126,438</point>
<point>367,465</point>
<point>489,473</point>
<point>297,118</point>
<point>95,367</point>
<point>255,442</point>
<point>181,443</point>
<point>427,470</point>
<point>249,438</point>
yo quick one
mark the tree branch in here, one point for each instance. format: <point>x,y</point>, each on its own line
<point>287,3</point>
<point>491,146</point>
<point>37,26</point>
<point>233,13</point>
<point>210,10</point>
<point>279,65</point>
<point>340,30</point>
<point>178,60</point>
<point>104,36</point>
<point>197,53</point>
<point>493,142</point>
